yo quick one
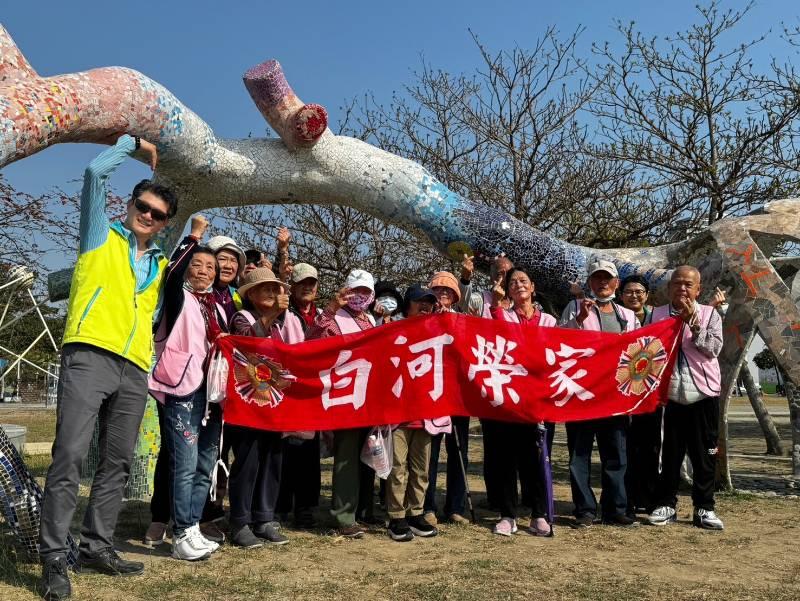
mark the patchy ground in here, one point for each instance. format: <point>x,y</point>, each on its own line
<point>754,558</point>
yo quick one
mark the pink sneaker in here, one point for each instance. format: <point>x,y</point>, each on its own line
<point>506,527</point>
<point>540,527</point>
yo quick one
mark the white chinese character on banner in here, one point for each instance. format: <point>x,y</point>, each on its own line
<point>495,358</point>
<point>342,367</point>
<point>424,364</point>
<point>563,383</point>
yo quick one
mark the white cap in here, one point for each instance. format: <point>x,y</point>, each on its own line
<point>359,277</point>
<point>603,265</point>
<point>218,243</point>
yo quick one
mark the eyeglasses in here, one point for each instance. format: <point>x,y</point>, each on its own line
<point>144,208</point>
<point>637,292</point>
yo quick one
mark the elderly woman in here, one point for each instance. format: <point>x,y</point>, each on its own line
<point>189,326</point>
<point>255,477</point>
<point>511,447</point>
<point>232,261</point>
<point>445,288</point>
<point>408,481</point>
<point>347,312</point>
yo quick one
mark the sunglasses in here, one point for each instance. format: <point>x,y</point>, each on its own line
<point>144,208</point>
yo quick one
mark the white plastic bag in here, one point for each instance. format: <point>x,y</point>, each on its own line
<point>217,381</point>
<point>378,452</point>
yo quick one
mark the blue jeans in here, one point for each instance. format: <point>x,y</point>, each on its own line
<point>611,438</point>
<point>455,499</point>
<point>193,449</point>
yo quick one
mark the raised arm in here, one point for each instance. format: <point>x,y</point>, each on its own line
<point>94,222</point>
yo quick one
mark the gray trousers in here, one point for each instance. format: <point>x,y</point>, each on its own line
<point>94,384</point>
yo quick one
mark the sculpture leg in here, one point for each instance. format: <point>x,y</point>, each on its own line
<point>737,333</point>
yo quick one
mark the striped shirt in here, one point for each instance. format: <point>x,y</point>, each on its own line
<point>94,225</point>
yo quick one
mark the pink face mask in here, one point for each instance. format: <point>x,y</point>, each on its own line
<point>360,302</point>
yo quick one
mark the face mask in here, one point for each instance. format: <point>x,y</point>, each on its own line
<point>603,299</point>
<point>388,302</point>
<point>359,302</point>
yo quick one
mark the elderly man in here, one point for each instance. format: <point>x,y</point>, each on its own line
<point>106,354</point>
<point>477,303</point>
<point>692,414</point>
<point>599,313</point>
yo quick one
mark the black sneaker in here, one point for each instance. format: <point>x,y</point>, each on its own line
<point>304,519</point>
<point>108,562</point>
<point>54,584</point>
<point>421,527</point>
<point>584,521</point>
<point>399,530</point>
<point>620,519</point>
<point>270,532</point>
<point>244,537</point>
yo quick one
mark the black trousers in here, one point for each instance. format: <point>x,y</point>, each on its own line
<point>455,500</point>
<point>255,474</point>
<point>511,449</point>
<point>694,429</point>
<point>641,477</point>
<point>300,475</point>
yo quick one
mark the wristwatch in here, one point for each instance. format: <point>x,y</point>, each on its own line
<point>137,141</point>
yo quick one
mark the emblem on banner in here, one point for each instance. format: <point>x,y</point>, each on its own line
<point>640,366</point>
<point>259,379</point>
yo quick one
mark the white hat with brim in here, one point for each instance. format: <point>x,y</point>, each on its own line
<point>359,277</point>
<point>220,243</point>
<point>260,275</point>
<point>603,265</point>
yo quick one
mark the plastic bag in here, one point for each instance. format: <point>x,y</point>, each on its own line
<point>378,451</point>
<point>217,381</point>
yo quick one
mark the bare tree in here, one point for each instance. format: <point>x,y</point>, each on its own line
<point>700,126</point>
<point>335,240</point>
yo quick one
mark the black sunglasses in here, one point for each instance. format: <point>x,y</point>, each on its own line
<point>143,208</point>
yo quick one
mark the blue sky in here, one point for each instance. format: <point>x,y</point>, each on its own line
<point>330,51</point>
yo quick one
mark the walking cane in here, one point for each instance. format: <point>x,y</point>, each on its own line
<point>547,474</point>
<point>454,434</point>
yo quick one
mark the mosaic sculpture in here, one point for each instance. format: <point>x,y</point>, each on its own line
<point>21,500</point>
<point>308,163</point>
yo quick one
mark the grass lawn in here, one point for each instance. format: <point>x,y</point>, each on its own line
<point>755,558</point>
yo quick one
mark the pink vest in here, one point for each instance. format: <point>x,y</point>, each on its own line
<point>705,370</point>
<point>348,325</point>
<point>291,332</point>
<point>487,304</point>
<point>545,320</point>
<point>592,322</point>
<point>180,357</point>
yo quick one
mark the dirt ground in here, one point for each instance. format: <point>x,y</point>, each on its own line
<point>754,558</point>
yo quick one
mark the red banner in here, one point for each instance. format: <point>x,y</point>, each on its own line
<point>448,364</point>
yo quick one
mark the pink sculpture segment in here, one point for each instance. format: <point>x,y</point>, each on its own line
<point>297,124</point>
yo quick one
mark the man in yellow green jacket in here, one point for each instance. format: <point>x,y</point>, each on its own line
<point>105,360</point>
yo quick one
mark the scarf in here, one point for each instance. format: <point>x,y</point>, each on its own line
<point>208,308</point>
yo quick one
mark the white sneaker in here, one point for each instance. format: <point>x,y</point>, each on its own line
<point>189,546</point>
<point>662,516</point>
<point>209,544</point>
<point>706,518</point>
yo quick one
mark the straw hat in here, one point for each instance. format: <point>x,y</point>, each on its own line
<point>259,275</point>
